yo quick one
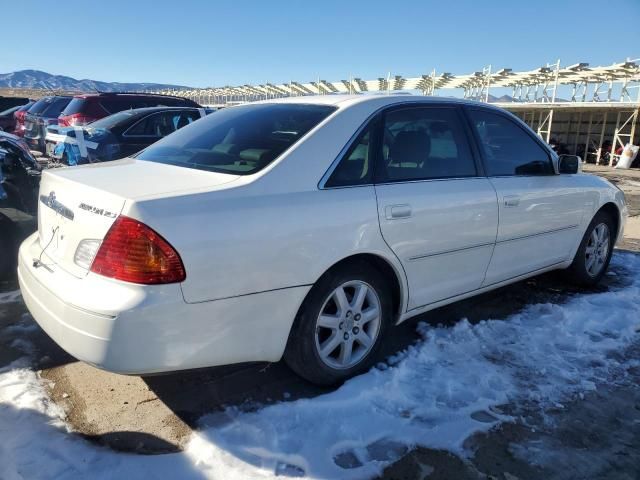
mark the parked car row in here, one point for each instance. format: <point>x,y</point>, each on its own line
<point>116,136</point>
<point>73,130</point>
<point>8,116</point>
<point>31,119</point>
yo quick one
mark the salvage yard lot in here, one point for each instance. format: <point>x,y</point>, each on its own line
<point>535,380</point>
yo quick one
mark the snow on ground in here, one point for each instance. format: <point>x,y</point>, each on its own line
<point>458,381</point>
<point>9,297</point>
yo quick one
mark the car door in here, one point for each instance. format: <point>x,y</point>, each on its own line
<point>437,212</point>
<point>540,211</point>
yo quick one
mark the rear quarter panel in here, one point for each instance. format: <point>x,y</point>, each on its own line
<point>243,241</point>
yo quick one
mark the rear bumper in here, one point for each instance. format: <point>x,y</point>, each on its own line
<point>135,329</point>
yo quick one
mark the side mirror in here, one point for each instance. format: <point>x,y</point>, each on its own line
<point>569,164</point>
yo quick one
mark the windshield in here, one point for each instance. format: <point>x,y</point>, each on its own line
<point>112,120</point>
<point>240,140</point>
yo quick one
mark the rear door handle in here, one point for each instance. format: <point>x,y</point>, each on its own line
<point>392,212</point>
<point>511,201</point>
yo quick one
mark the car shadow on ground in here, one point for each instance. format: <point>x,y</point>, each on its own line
<point>40,448</point>
<point>190,395</point>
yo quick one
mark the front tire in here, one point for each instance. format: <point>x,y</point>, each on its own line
<point>339,329</point>
<point>594,253</point>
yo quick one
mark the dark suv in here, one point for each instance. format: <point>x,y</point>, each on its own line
<point>84,109</point>
<point>19,181</point>
<point>43,113</point>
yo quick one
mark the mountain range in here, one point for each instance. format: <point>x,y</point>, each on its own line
<point>37,79</point>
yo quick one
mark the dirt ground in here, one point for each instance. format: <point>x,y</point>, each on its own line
<point>154,415</point>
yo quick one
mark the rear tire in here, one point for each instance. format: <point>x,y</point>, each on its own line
<point>341,324</point>
<point>594,253</point>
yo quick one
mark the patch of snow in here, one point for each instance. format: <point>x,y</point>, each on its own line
<point>10,297</point>
<point>456,382</point>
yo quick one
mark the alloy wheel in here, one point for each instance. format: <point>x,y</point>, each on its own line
<point>348,325</point>
<point>597,249</point>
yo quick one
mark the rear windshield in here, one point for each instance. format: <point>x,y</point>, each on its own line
<point>74,106</point>
<point>112,120</point>
<point>239,140</point>
<point>56,106</point>
<point>40,105</point>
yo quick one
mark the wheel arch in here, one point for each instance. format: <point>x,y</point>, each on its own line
<point>612,210</point>
<point>390,271</point>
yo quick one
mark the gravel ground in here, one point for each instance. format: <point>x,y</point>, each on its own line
<point>155,415</point>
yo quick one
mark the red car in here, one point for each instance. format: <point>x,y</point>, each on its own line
<point>20,116</point>
<point>84,109</point>
<point>9,118</point>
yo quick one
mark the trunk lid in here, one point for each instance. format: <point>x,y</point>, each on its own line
<point>81,203</point>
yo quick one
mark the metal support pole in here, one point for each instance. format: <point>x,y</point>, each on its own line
<point>616,140</point>
<point>577,137</point>
<point>604,126</point>
<point>586,142</point>
<point>555,83</point>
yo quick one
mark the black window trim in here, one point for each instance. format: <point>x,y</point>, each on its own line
<point>518,123</point>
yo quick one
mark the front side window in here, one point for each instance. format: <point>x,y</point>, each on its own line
<point>238,140</point>
<point>508,149</point>
<point>424,143</point>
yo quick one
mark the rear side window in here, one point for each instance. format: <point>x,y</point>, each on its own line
<point>508,148</point>
<point>422,144</point>
<point>356,167</point>
<point>239,140</point>
<point>114,105</point>
<point>125,102</point>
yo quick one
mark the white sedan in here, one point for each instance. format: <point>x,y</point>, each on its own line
<point>304,228</point>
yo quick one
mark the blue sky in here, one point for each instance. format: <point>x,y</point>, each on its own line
<point>213,43</point>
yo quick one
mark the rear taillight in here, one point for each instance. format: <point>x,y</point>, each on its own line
<point>133,252</point>
<point>75,119</point>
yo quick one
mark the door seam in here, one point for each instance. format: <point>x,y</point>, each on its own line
<point>406,278</point>
<point>495,240</point>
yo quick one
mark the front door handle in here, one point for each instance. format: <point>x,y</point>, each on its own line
<point>511,200</point>
<point>392,212</point>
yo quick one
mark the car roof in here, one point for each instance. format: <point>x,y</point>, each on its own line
<point>159,108</point>
<point>128,94</point>
<point>346,100</point>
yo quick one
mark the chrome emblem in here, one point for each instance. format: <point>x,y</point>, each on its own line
<point>51,202</point>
